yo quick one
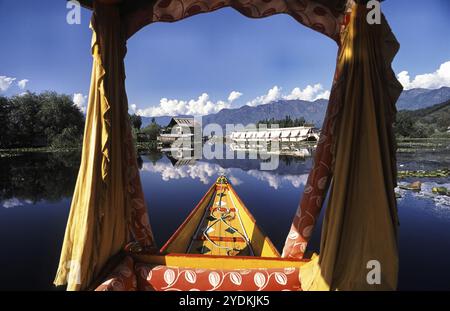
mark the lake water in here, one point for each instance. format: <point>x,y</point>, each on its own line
<point>36,189</point>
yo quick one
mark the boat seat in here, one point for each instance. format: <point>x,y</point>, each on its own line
<point>122,278</point>
<point>163,278</point>
<point>131,276</point>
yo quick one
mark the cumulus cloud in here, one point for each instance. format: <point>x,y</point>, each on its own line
<point>80,101</point>
<point>5,83</point>
<point>23,83</point>
<point>201,106</point>
<point>233,96</point>
<point>309,93</point>
<point>434,80</point>
<point>132,109</point>
<point>272,95</point>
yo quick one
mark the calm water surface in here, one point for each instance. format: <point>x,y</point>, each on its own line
<point>36,189</point>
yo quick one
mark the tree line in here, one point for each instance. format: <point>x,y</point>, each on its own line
<point>51,120</point>
<point>428,122</point>
<point>40,120</point>
<point>286,122</point>
<point>146,134</point>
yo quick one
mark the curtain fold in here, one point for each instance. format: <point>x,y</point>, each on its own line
<point>359,232</point>
<point>108,202</point>
<point>324,16</point>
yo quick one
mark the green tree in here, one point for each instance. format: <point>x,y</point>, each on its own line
<point>60,120</point>
<point>152,130</point>
<point>404,125</point>
<point>4,122</point>
<point>41,120</point>
<point>136,121</point>
<point>25,128</point>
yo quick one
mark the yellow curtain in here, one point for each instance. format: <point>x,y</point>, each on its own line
<point>108,202</point>
<point>359,234</point>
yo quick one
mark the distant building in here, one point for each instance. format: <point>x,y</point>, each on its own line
<point>289,134</point>
<point>179,129</point>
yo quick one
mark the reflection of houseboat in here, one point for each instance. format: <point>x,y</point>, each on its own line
<point>291,134</point>
<point>262,149</point>
<point>180,156</point>
<point>180,130</point>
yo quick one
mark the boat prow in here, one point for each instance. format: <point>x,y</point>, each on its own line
<point>218,247</point>
<point>220,225</point>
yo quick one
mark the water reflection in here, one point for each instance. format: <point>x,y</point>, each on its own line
<point>36,189</point>
<point>31,178</point>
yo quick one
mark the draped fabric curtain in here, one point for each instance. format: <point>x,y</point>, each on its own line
<point>108,205</point>
<point>359,232</point>
<point>324,16</point>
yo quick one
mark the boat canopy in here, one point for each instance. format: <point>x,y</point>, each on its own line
<point>295,133</point>
<point>285,134</point>
<point>353,164</point>
<point>275,134</point>
<point>261,134</point>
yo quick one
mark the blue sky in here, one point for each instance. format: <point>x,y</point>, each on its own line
<point>196,63</point>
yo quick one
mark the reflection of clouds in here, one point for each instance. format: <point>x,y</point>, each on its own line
<point>201,171</point>
<point>275,181</point>
<point>205,172</point>
<point>10,203</point>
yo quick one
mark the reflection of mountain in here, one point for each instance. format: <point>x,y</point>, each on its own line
<point>34,177</point>
<point>294,173</point>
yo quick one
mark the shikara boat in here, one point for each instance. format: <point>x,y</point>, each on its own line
<point>218,247</point>
<point>220,225</point>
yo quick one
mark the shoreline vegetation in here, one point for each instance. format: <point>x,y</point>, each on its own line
<point>51,122</point>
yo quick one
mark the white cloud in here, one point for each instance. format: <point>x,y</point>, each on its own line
<point>272,95</point>
<point>5,83</point>
<point>172,107</point>
<point>437,79</point>
<point>309,93</point>
<point>132,109</point>
<point>80,101</point>
<point>23,83</point>
<point>203,105</point>
<point>233,96</point>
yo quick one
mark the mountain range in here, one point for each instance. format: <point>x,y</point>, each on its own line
<point>422,98</point>
<point>313,112</point>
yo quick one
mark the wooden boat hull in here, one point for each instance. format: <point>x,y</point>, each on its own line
<point>207,231</point>
<point>244,259</point>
